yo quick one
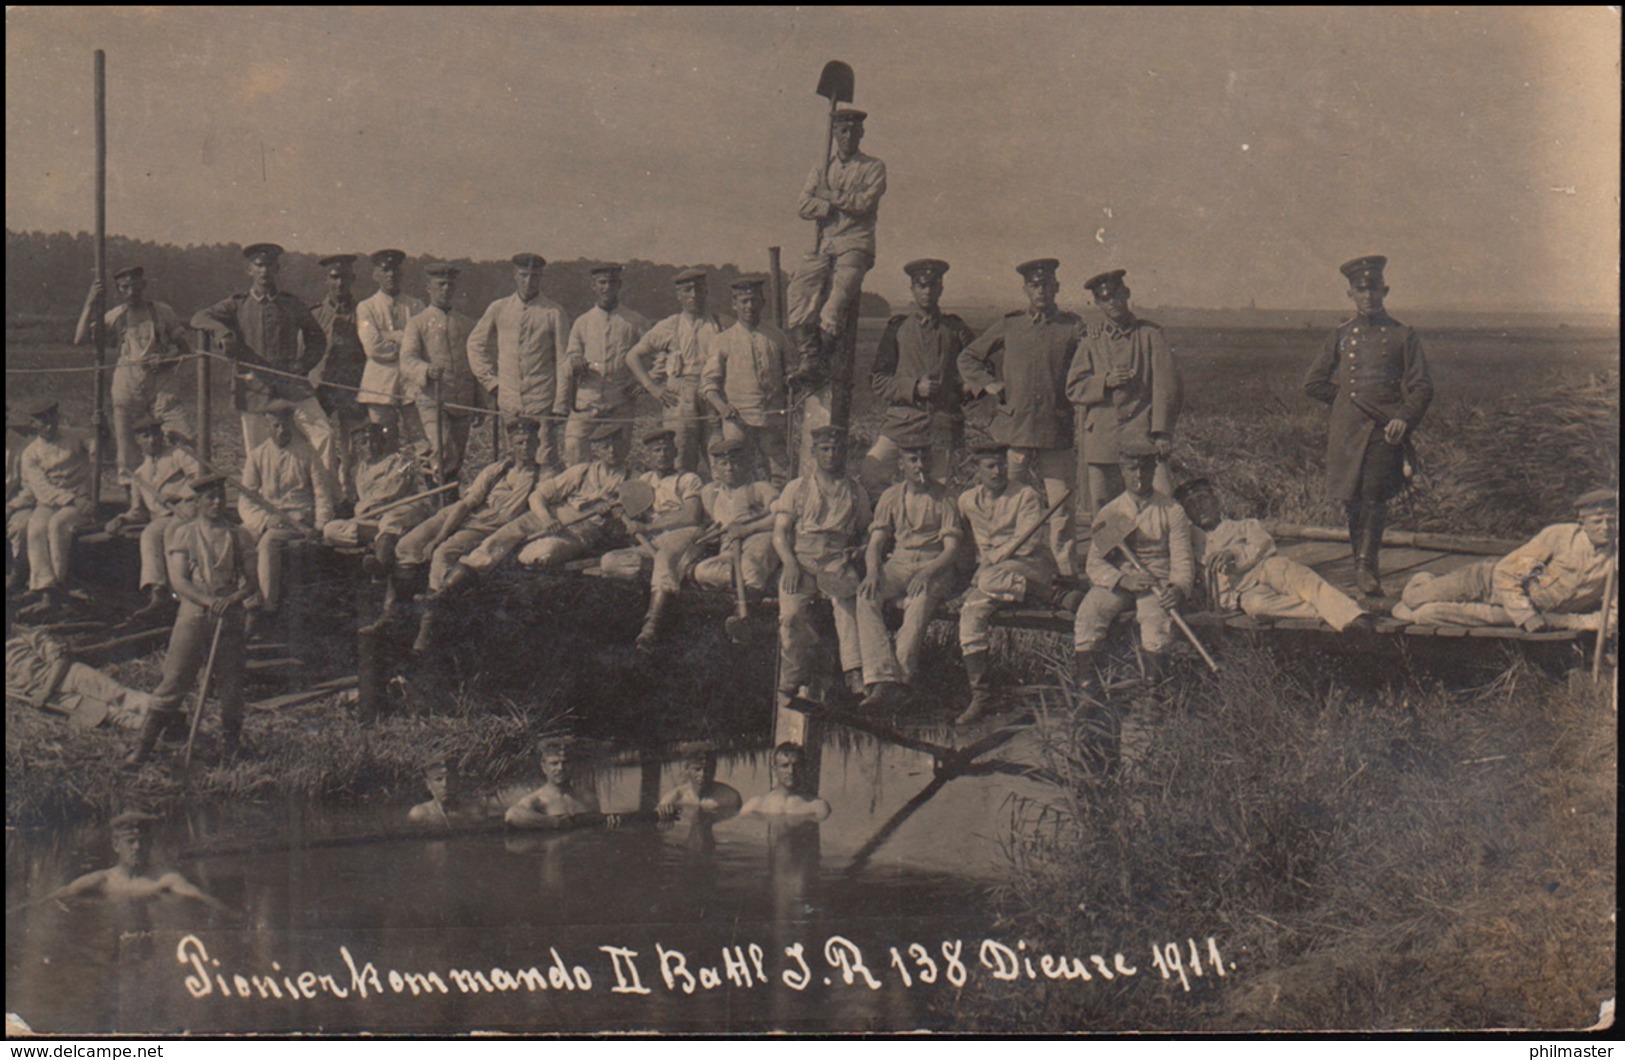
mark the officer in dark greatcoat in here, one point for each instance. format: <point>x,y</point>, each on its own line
<point>1373,374</point>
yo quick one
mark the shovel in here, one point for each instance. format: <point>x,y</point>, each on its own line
<point>203,691</point>
<point>836,84</point>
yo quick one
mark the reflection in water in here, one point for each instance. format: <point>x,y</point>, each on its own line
<point>679,893</point>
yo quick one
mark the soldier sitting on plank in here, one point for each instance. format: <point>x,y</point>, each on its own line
<point>55,492</point>
<point>744,511</point>
<point>1554,581</point>
<point>284,470</point>
<point>385,476</point>
<point>670,526</point>
<point>1243,573</point>
<point>159,495</point>
<point>1158,532</point>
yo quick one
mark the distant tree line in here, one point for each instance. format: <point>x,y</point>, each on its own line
<point>47,275</point>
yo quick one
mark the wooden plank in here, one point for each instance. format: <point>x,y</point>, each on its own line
<point>286,662</point>
<point>1484,546</point>
<point>1514,633</point>
<point>306,695</point>
<point>1399,560</point>
<point>1311,553</point>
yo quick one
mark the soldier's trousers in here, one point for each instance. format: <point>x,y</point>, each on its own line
<point>1463,597</point>
<point>1101,605</point>
<point>767,443</point>
<point>798,640</point>
<point>669,547</point>
<point>50,541</point>
<point>17,532</point>
<point>581,424</point>
<point>1026,579</point>
<point>1052,472</point>
<point>545,547</point>
<point>1283,588</point>
<point>759,560</point>
<point>413,549</point>
<point>692,419</point>
<point>273,545</point>
<point>344,415</point>
<point>140,392</point>
<point>805,300</point>
<point>154,564</point>
<point>189,650</point>
<point>882,659</point>
<point>446,447</point>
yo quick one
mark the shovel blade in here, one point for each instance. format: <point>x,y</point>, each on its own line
<point>837,82</point>
<point>737,627</point>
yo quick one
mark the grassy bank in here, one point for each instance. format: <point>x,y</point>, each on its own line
<point>1404,854</point>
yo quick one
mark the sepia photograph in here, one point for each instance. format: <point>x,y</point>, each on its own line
<point>811,520</point>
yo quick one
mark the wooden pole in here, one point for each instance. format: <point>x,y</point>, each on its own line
<point>98,417</point>
<point>775,287</point>
<point>205,400</point>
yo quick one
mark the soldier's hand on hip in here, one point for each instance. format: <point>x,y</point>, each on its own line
<point>666,396</point>
<point>1394,432</point>
<point>926,389</point>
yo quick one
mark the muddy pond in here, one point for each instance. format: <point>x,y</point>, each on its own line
<point>869,919</point>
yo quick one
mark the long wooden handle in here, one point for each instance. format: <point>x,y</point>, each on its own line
<point>1042,522</point>
<point>404,501</point>
<point>203,690</point>
<point>1602,618</point>
<point>741,605</point>
<point>1173,612</point>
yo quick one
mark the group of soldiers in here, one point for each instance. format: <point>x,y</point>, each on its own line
<point>327,393</point>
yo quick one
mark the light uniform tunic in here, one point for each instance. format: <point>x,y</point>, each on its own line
<point>681,345</point>
<point>846,240</point>
<point>378,483</point>
<point>1264,584</point>
<point>56,491</point>
<point>727,506</point>
<point>381,324</point>
<point>996,521</point>
<point>158,490</point>
<point>829,519</point>
<point>1161,538</point>
<point>146,336</point>
<point>671,493</point>
<point>599,340</point>
<point>557,500</point>
<point>1559,574</point>
<point>439,338</point>
<point>919,524</point>
<point>515,351</point>
<point>216,559</point>
<point>746,369</point>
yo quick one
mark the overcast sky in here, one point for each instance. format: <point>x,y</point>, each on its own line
<point>1221,156</point>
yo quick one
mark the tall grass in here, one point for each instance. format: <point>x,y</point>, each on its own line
<point>1407,854</point>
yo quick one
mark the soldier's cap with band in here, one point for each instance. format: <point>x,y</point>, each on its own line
<point>604,432</point>
<point>725,446</point>
<point>1196,486</point>
<point>1038,268</point>
<point>926,269</point>
<point>1597,500</point>
<point>263,253</point>
<point>43,408</point>
<point>337,264</point>
<point>202,484</point>
<point>147,423</point>
<point>661,435</point>
<point>442,270</point>
<point>689,276</point>
<point>828,434</point>
<point>132,822</point>
<point>612,268</point>
<point>1134,450</point>
<point>1364,272</point>
<point>850,116</point>
<point>130,270</point>
<point>990,449</point>
<point>750,281</point>
<point>529,261</point>
<point>555,743</point>
<point>388,259</point>
<point>1105,284</point>
<point>523,424</point>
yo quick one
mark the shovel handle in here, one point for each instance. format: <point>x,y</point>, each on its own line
<point>203,690</point>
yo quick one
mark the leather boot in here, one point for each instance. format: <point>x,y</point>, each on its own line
<point>654,623</point>
<point>1356,524</point>
<point>1085,678</point>
<point>151,728</point>
<point>809,373</point>
<point>1156,668</point>
<point>396,589</point>
<point>981,696</point>
<point>158,601</point>
<point>1365,573</point>
<point>425,638</point>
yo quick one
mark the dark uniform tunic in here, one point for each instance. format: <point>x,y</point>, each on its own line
<point>1378,361</point>
<point>1033,412</point>
<point>1149,404</point>
<point>268,331</point>
<point>345,358</point>
<point>915,347</point>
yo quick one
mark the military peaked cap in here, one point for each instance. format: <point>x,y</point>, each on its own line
<point>659,435</point>
<point>749,281</point>
<point>1038,266</point>
<point>132,821</point>
<point>529,261</point>
<point>603,432</point>
<point>1135,449</point>
<point>205,482</point>
<point>129,270</point>
<point>388,259</point>
<point>722,445</point>
<point>1186,490</point>
<point>689,276</point>
<point>147,423</point>
<point>911,438</point>
<point>1103,284</point>
<point>990,449</point>
<point>1593,500</point>
<point>523,423</point>
<point>263,252</point>
<point>614,267</point>
<point>926,268</point>
<point>1364,272</point>
<point>43,408</point>
<point>850,116</point>
<point>828,434</point>
<point>333,261</point>
<point>450,272</point>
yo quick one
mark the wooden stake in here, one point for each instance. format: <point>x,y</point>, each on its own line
<point>98,418</point>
